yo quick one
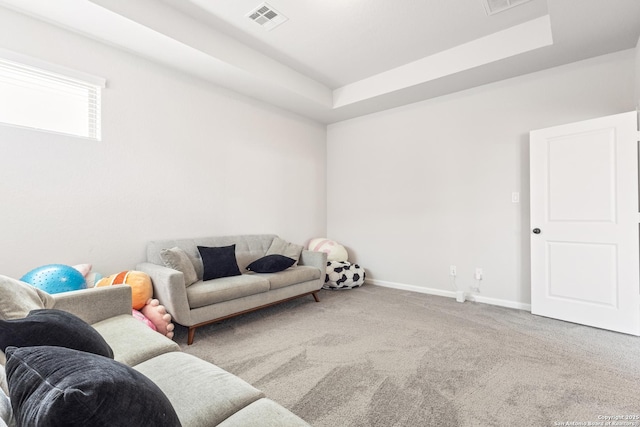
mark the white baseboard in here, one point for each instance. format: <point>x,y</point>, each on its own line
<point>450,294</point>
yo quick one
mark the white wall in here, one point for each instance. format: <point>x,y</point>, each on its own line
<point>179,158</point>
<point>415,189</point>
<point>638,76</point>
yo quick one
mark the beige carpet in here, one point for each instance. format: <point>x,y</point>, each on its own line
<point>381,357</point>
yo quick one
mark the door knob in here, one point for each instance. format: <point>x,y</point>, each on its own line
<point>536,231</point>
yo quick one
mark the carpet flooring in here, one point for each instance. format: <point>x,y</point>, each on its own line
<point>375,356</point>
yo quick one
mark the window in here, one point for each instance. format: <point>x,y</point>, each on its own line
<point>43,96</point>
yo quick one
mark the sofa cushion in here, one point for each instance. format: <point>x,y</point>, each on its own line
<point>132,341</point>
<point>209,292</point>
<point>264,413</point>
<point>57,386</point>
<point>19,298</point>
<point>219,262</point>
<point>202,394</point>
<point>271,264</point>
<point>52,327</point>
<point>6,413</point>
<point>3,379</point>
<point>248,248</point>
<point>282,247</point>
<point>177,259</point>
<point>291,276</point>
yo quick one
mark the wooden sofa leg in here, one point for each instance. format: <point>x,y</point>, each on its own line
<point>192,332</point>
<point>315,296</point>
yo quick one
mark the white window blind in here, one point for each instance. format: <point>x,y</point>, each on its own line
<point>48,99</point>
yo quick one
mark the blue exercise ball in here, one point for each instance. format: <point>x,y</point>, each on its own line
<point>55,278</point>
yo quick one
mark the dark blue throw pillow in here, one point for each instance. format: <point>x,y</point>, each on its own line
<point>271,264</point>
<point>56,387</point>
<point>52,327</point>
<point>219,262</point>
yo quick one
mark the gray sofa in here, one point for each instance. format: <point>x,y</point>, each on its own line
<point>205,302</point>
<point>201,393</point>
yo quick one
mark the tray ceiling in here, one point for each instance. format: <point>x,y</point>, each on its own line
<point>334,59</point>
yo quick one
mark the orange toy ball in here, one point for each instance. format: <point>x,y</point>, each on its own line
<point>141,288</point>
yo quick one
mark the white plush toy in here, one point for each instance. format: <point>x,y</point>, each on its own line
<point>90,277</point>
<point>334,250</point>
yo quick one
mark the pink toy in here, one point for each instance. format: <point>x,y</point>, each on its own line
<point>141,317</point>
<point>157,314</point>
<point>334,250</point>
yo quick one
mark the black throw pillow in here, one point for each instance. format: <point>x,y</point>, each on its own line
<point>53,327</point>
<point>219,262</point>
<point>56,387</point>
<point>271,264</point>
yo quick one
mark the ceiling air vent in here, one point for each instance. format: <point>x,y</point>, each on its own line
<point>495,6</point>
<point>267,16</point>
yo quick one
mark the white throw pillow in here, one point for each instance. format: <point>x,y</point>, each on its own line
<point>282,247</point>
<point>178,259</point>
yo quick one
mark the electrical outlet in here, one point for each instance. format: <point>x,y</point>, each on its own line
<point>452,270</point>
<point>478,274</point>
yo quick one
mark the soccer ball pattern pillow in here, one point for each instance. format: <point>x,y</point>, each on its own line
<point>343,275</point>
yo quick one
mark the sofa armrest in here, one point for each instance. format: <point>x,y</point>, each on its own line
<point>170,290</point>
<point>314,259</point>
<point>95,304</point>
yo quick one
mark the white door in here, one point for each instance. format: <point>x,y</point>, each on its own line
<point>584,223</point>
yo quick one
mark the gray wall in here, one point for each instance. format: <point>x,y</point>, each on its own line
<point>415,189</point>
<point>179,158</point>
